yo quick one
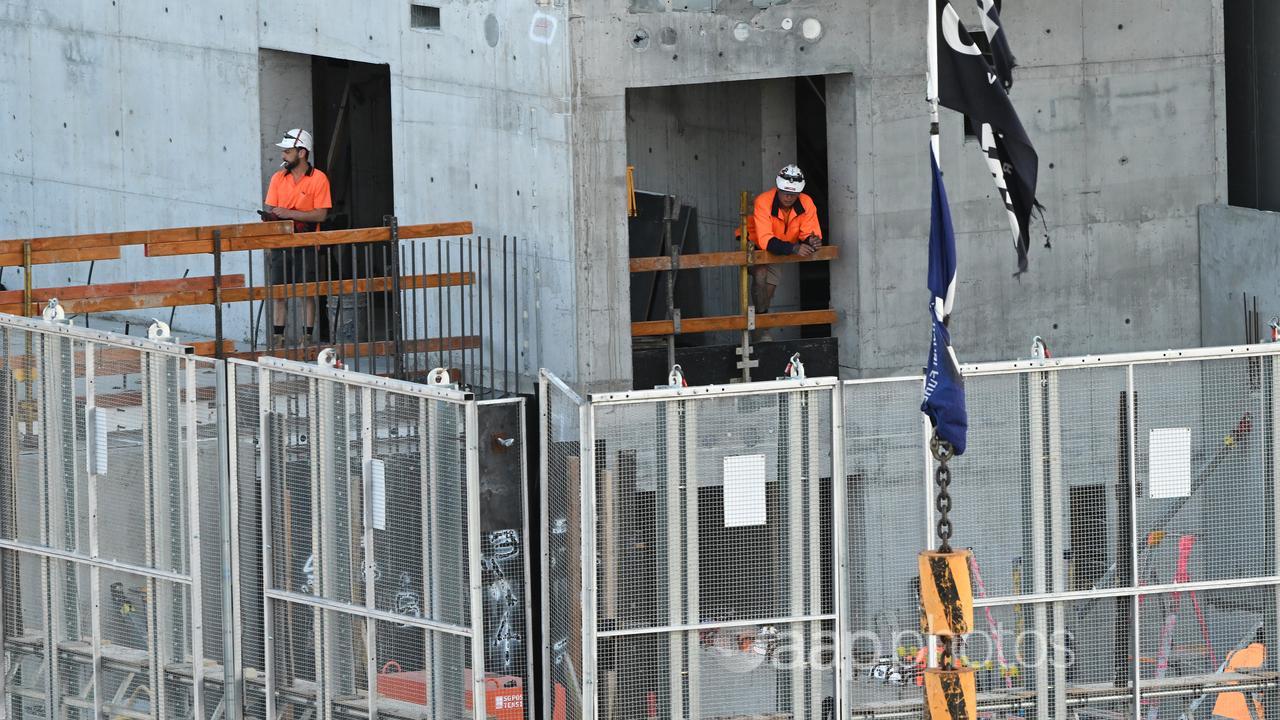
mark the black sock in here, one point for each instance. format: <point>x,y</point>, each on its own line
<point>277,329</point>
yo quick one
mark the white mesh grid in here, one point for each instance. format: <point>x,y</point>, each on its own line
<point>368,490</point>
<point>562,534</point>
<point>715,513</point>
<point>123,526</point>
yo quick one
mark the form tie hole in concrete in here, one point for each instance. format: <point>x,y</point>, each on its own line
<point>787,23</point>
<point>1048,31</point>
<point>741,32</point>
<point>675,58</point>
<point>640,39</point>
<point>668,37</point>
<point>1120,26</point>
<point>1055,326</point>
<point>1126,321</point>
<point>1050,166</point>
<point>1124,160</point>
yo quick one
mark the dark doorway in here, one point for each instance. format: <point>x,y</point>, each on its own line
<point>352,109</point>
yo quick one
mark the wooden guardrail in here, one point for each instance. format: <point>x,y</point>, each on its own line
<point>735,258</point>
<point>151,294</point>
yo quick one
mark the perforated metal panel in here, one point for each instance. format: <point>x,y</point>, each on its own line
<point>713,553</point>
<point>369,494</point>
<point>111,509</point>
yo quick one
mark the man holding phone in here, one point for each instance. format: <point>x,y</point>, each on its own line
<point>298,192</point>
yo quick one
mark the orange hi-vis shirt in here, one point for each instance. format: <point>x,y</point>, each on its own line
<point>791,225</point>
<point>309,193</point>
<point>1235,705</point>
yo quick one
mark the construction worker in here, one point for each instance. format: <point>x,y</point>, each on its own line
<point>298,192</point>
<point>1235,705</point>
<point>785,222</point>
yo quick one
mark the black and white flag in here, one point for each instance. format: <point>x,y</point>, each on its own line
<point>967,83</point>
<point>1002,58</point>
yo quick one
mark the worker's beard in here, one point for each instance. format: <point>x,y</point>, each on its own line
<point>289,165</point>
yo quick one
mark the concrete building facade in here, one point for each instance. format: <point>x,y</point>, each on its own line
<point>523,115</point>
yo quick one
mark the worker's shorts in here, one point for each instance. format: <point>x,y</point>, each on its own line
<point>296,265</point>
<point>765,273</point>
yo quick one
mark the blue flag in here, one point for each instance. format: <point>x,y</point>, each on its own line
<point>944,386</point>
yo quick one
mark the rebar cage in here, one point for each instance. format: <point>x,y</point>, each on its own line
<point>1122,512</point>
<point>186,538</point>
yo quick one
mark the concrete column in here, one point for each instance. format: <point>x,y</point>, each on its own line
<point>844,231</point>
<point>601,314</point>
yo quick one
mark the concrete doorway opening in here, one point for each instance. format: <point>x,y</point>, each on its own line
<point>347,106</point>
<point>707,144</point>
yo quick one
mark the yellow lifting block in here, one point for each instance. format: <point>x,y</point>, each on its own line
<point>946,593</point>
<point>950,694</point>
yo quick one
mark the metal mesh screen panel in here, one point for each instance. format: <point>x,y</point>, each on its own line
<point>562,434</point>
<point>885,494</point>
<point>369,502</point>
<point>1199,458</point>
<point>715,512</point>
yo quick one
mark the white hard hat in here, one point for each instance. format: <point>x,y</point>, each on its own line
<point>297,138</point>
<point>790,179</point>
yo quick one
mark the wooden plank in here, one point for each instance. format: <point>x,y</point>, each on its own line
<point>378,347</point>
<point>109,360</point>
<point>235,293</point>
<point>346,287</point>
<point>46,257</point>
<point>733,322</point>
<point>144,287</point>
<point>734,258</point>
<point>311,239</point>
<point>141,237</point>
<point>124,302</point>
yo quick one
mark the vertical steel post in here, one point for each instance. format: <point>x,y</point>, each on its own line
<point>267,450</point>
<point>1057,534</point>
<point>840,554</point>
<point>544,429</point>
<point>217,293</point>
<point>692,553</point>
<point>1039,570</point>
<point>531,687</point>
<point>95,572</point>
<point>370,559</point>
<point>673,410</point>
<point>479,702</point>
<point>813,422</point>
<point>791,446</point>
<point>393,245</point>
<point>1135,626</point>
<point>193,535</point>
<point>232,632</point>
<point>590,693</point>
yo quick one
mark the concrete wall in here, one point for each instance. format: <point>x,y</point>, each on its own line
<point>513,115</point>
<point>1239,254</point>
<point>145,114</point>
<point>1124,103</point>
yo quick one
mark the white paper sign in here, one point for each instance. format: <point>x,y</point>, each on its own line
<point>744,492</point>
<point>1169,463</point>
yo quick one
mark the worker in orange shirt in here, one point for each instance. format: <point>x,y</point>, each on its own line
<point>298,192</point>
<point>1237,705</point>
<point>785,222</point>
